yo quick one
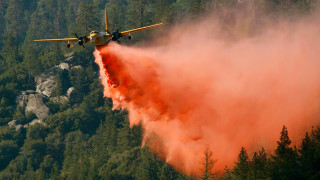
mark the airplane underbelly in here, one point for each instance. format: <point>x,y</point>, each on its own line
<point>97,40</point>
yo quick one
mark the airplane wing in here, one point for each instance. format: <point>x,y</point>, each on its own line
<point>64,39</point>
<point>124,33</point>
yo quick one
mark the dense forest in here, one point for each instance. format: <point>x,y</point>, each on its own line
<point>81,137</point>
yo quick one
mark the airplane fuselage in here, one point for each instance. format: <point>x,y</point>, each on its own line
<point>98,38</point>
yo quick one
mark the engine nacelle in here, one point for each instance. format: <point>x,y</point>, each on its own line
<point>129,37</point>
<point>69,46</point>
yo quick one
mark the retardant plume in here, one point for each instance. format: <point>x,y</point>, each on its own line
<point>199,89</point>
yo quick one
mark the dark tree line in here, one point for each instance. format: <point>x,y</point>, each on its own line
<point>286,162</point>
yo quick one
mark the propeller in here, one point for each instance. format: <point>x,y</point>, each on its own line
<point>115,36</point>
<point>81,40</point>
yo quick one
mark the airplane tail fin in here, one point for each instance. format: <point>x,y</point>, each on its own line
<point>107,23</point>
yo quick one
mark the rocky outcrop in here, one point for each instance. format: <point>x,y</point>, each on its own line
<point>33,101</point>
<point>13,123</point>
<point>69,57</point>
<point>60,99</point>
<point>46,82</point>
<point>36,121</point>
<point>64,66</point>
<point>19,128</point>
<point>70,91</point>
<point>36,105</point>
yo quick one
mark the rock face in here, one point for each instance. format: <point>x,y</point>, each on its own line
<point>77,67</point>
<point>64,66</point>
<point>46,82</point>
<point>33,101</point>
<point>19,128</point>
<point>36,121</point>
<point>70,91</point>
<point>69,57</point>
<point>36,105</point>
<point>13,123</point>
<point>60,99</point>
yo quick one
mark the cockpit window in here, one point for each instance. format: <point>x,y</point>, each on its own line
<point>94,32</point>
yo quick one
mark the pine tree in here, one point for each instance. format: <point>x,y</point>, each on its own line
<point>284,163</point>
<point>137,13</point>
<point>284,6</point>
<point>163,11</point>
<point>15,22</point>
<point>30,61</point>
<point>242,168</point>
<point>306,158</point>
<point>207,165</point>
<point>227,174</point>
<point>259,164</point>
<point>148,167</point>
<point>168,173</point>
<point>116,14</point>
<point>86,20</point>
<point>3,7</point>
<point>10,52</point>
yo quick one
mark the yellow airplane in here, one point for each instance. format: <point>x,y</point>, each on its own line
<point>101,38</point>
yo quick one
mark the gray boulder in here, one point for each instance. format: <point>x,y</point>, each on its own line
<point>36,105</point>
<point>22,99</point>
<point>69,92</point>
<point>36,121</point>
<point>19,128</point>
<point>69,57</point>
<point>76,67</point>
<point>60,99</point>
<point>64,66</point>
<point>46,82</point>
<point>13,123</point>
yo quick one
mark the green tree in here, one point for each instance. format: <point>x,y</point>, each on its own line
<point>37,131</point>
<point>48,169</point>
<point>8,151</point>
<point>10,52</point>
<point>116,14</point>
<point>138,14</point>
<point>78,80</point>
<point>86,20</point>
<point>168,173</point>
<point>284,162</point>
<point>75,165</point>
<point>148,166</point>
<point>30,61</point>
<point>19,115</point>
<point>3,7</point>
<point>163,11</point>
<point>15,22</point>
<point>242,168</point>
<point>306,158</point>
<point>259,164</point>
<point>207,165</point>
